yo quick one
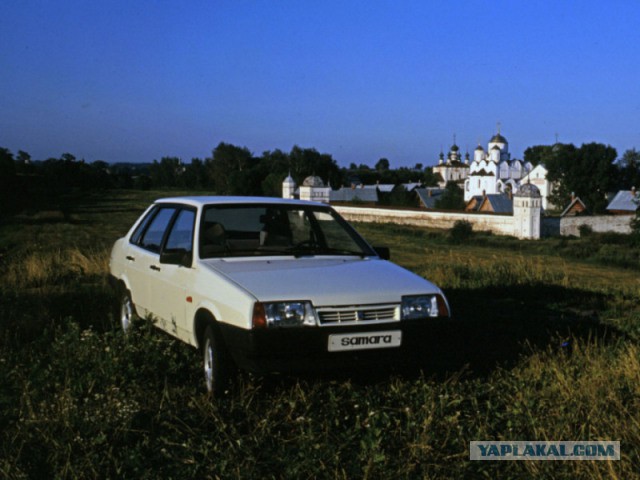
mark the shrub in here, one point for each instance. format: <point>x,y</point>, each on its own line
<point>461,231</point>
<point>635,229</point>
<point>585,230</point>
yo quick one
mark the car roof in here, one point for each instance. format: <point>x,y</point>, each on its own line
<point>198,201</point>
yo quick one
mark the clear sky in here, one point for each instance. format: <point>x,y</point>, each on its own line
<point>360,80</point>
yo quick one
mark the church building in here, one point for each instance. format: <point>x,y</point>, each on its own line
<point>453,169</point>
<point>492,171</point>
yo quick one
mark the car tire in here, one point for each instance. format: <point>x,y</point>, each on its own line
<point>218,364</point>
<point>125,311</point>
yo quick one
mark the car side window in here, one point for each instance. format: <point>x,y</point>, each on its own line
<point>135,236</point>
<point>153,235</point>
<point>181,234</point>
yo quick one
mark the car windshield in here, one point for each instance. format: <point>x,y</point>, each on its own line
<point>273,229</point>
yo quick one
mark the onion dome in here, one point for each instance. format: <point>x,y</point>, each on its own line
<point>497,138</point>
<point>528,190</point>
<point>313,181</point>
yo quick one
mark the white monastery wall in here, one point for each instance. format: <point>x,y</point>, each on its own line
<point>601,223</point>
<point>499,224</point>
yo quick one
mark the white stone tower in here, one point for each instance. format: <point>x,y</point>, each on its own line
<point>289,187</point>
<point>527,208</point>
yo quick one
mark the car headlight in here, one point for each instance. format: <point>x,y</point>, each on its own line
<point>284,314</point>
<point>422,306</point>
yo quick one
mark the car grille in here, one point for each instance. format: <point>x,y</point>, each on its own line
<point>358,315</point>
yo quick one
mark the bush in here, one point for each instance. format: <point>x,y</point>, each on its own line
<point>585,230</point>
<point>461,231</point>
<point>635,229</point>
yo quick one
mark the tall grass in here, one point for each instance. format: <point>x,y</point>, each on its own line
<point>80,400</point>
<point>458,271</point>
<point>102,405</point>
<point>40,268</point>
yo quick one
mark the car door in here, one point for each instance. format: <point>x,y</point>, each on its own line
<point>143,258</point>
<point>170,283</point>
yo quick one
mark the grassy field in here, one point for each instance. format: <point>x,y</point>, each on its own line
<point>544,346</point>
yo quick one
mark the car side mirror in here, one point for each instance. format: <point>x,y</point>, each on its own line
<point>383,252</point>
<point>177,256</point>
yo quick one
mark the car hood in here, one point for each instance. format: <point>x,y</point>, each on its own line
<point>324,281</point>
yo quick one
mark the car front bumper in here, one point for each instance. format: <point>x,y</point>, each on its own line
<point>307,348</point>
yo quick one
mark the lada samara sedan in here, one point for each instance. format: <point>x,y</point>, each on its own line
<point>269,285</point>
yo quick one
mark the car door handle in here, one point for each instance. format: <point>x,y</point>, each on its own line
<point>130,258</point>
<point>155,267</point>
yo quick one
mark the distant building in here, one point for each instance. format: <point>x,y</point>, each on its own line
<point>354,194</point>
<point>289,187</point>
<point>491,203</point>
<point>576,207</point>
<point>527,210</point>
<point>429,196</point>
<point>380,187</point>
<point>410,187</point>
<point>493,171</point>
<point>626,202</point>
<point>453,169</point>
<point>538,177</point>
<point>313,189</point>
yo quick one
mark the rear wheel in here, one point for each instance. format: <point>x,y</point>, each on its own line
<point>218,365</point>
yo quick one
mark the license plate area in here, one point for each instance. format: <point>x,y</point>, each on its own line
<point>364,341</point>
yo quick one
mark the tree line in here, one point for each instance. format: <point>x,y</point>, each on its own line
<point>589,171</point>
<point>230,170</point>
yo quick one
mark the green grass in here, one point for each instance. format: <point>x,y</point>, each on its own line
<point>79,400</point>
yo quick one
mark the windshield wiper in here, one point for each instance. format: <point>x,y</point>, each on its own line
<point>302,250</point>
<point>342,251</point>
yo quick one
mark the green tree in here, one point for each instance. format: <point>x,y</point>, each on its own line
<point>538,154</point>
<point>635,223</point>
<point>23,163</point>
<point>195,175</point>
<point>23,157</point>
<point>588,171</point>
<point>222,168</point>
<point>382,165</point>
<point>429,179</point>
<point>629,167</point>
<point>308,161</point>
<point>452,198</point>
<point>167,172</point>
<point>7,181</point>
<point>399,197</point>
<point>271,186</point>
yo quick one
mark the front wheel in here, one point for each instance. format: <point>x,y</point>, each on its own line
<point>218,364</point>
<point>126,311</point>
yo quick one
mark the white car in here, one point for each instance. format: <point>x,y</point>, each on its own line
<point>269,285</point>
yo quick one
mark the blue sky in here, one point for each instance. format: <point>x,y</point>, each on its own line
<point>136,81</point>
